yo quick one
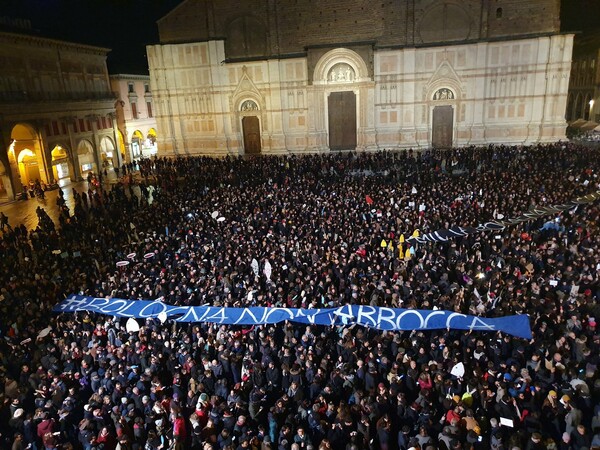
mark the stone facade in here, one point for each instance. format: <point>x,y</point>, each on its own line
<point>409,74</point>
<point>56,111</point>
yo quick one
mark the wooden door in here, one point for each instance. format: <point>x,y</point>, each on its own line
<point>443,117</point>
<point>342,120</point>
<point>251,126</point>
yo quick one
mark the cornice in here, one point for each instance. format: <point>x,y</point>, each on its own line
<point>40,41</point>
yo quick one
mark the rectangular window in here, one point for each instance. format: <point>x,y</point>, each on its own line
<point>110,125</point>
<point>81,125</point>
<point>131,90</point>
<point>64,127</point>
<point>89,125</point>
<point>55,131</point>
<point>104,123</point>
<point>146,88</point>
<point>48,130</point>
<point>149,106</point>
<point>134,113</point>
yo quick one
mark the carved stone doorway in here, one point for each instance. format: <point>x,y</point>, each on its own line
<point>443,118</point>
<point>342,120</point>
<point>251,126</point>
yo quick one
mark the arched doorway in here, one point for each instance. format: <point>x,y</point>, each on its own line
<point>442,121</point>
<point>340,75</point>
<point>29,168</point>
<point>107,153</point>
<point>137,139</point>
<point>85,152</point>
<point>150,148</point>
<point>342,120</point>
<point>60,163</point>
<point>251,127</point>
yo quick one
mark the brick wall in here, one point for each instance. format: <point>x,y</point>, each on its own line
<point>289,26</point>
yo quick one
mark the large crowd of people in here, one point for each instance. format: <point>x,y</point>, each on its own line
<point>83,381</point>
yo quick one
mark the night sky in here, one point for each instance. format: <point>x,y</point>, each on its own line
<point>126,26</point>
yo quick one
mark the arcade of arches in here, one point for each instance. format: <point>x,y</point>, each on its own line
<point>143,145</point>
<point>32,156</point>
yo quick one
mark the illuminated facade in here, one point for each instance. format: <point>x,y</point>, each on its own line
<point>135,116</point>
<point>56,111</point>
<point>232,77</point>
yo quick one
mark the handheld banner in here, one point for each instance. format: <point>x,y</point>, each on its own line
<point>381,318</point>
<point>497,225</point>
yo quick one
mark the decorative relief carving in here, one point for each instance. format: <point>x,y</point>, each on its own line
<point>443,94</point>
<point>341,73</point>
<point>249,105</point>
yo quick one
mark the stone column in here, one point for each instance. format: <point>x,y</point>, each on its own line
<point>45,152</point>
<point>11,176</point>
<point>113,118</point>
<point>75,173</point>
<point>93,118</point>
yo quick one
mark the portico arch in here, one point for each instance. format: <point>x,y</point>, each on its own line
<point>108,155</point>
<point>62,164</point>
<point>27,150</point>
<point>85,152</point>
<point>137,139</point>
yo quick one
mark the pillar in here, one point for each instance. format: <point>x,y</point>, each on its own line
<point>96,140</point>
<point>12,179</point>
<point>45,152</point>
<point>75,175</point>
<point>120,162</point>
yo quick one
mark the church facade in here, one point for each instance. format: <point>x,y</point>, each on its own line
<point>279,76</point>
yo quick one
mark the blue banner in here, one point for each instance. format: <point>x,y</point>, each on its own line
<point>496,225</point>
<point>380,318</point>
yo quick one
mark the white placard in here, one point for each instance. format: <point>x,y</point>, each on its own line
<point>506,422</point>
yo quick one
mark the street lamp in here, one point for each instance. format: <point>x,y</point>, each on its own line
<point>591,103</point>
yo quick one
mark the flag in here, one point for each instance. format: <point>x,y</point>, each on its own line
<point>383,243</point>
<point>402,238</point>
<point>254,266</point>
<point>268,270</point>
<point>368,199</point>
